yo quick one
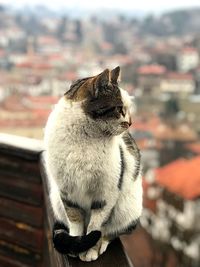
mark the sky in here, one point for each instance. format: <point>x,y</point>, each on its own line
<point>142,5</point>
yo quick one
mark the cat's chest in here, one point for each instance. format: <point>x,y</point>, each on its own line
<point>93,161</point>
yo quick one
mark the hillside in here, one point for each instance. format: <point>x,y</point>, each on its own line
<point>178,22</point>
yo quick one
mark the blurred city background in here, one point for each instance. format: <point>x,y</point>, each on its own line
<point>43,48</point>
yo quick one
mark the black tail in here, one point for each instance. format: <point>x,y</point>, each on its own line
<point>66,244</point>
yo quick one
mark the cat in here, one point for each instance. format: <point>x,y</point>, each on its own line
<point>94,166</point>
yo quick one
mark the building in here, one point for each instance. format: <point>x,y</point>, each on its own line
<point>187,59</point>
<point>173,218</point>
<point>150,77</point>
<point>178,83</point>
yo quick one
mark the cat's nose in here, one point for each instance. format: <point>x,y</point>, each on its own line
<point>130,122</point>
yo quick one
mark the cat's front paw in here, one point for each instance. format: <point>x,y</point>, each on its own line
<point>93,253</point>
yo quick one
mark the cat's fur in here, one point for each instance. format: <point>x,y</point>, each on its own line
<point>94,166</point>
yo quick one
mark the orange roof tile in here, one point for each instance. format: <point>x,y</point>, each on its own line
<point>162,131</point>
<point>34,65</point>
<point>47,40</point>
<point>152,69</point>
<point>179,76</point>
<point>180,132</point>
<point>2,52</point>
<point>181,177</point>
<point>43,99</point>
<point>148,124</point>
<point>69,76</point>
<point>189,49</point>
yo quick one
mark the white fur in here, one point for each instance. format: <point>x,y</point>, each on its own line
<point>87,168</point>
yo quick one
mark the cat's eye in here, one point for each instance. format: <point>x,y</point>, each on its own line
<point>105,111</point>
<point>121,110</point>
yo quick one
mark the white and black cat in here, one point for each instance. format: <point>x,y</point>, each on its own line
<point>94,166</point>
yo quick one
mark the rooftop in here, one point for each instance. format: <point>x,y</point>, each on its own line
<point>163,131</point>
<point>152,70</point>
<point>179,76</point>
<point>194,147</point>
<point>189,50</point>
<point>181,177</point>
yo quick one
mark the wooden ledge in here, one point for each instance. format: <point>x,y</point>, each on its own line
<point>22,147</point>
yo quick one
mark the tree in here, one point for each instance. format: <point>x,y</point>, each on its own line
<point>62,28</point>
<point>78,30</point>
<point>171,107</point>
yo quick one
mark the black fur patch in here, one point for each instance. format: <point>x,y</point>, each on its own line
<point>71,204</point>
<point>60,225</point>
<point>126,231</point>
<point>122,168</point>
<point>131,227</point>
<point>133,149</point>
<point>98,205</point>
<point>66,244</point>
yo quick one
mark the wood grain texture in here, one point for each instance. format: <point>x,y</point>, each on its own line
<point>21,204</point>
<point>19,167</point>
<point>19,254</point>
<point>19,189</point>
<point>21,234</point>
<point>9,262</point>
<point>19,211</point>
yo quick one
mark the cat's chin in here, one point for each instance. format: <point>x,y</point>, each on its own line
<point>120,130</point>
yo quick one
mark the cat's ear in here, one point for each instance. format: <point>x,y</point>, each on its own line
<point>115,74</point>
<point>102,81</point>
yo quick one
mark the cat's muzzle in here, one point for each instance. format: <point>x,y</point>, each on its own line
<point>125,124</point>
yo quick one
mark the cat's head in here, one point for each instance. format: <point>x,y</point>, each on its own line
<point>107,107</point>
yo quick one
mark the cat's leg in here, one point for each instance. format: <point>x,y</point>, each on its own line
<point>100,210</point>
<point>76,219</point>
<point>76,216</point>
<point>69,220</point>
<point>127,211</point>
<point>66,212</point>
<point>122,219</point>
<point>94,252</point>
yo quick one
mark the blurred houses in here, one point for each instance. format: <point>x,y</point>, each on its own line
<point>150,77</point>
<point>178,83</point>
<point>162,142</point>
<point>187,59</point>
<point>172,208</point>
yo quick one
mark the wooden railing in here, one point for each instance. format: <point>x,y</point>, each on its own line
<point>26,217</point>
